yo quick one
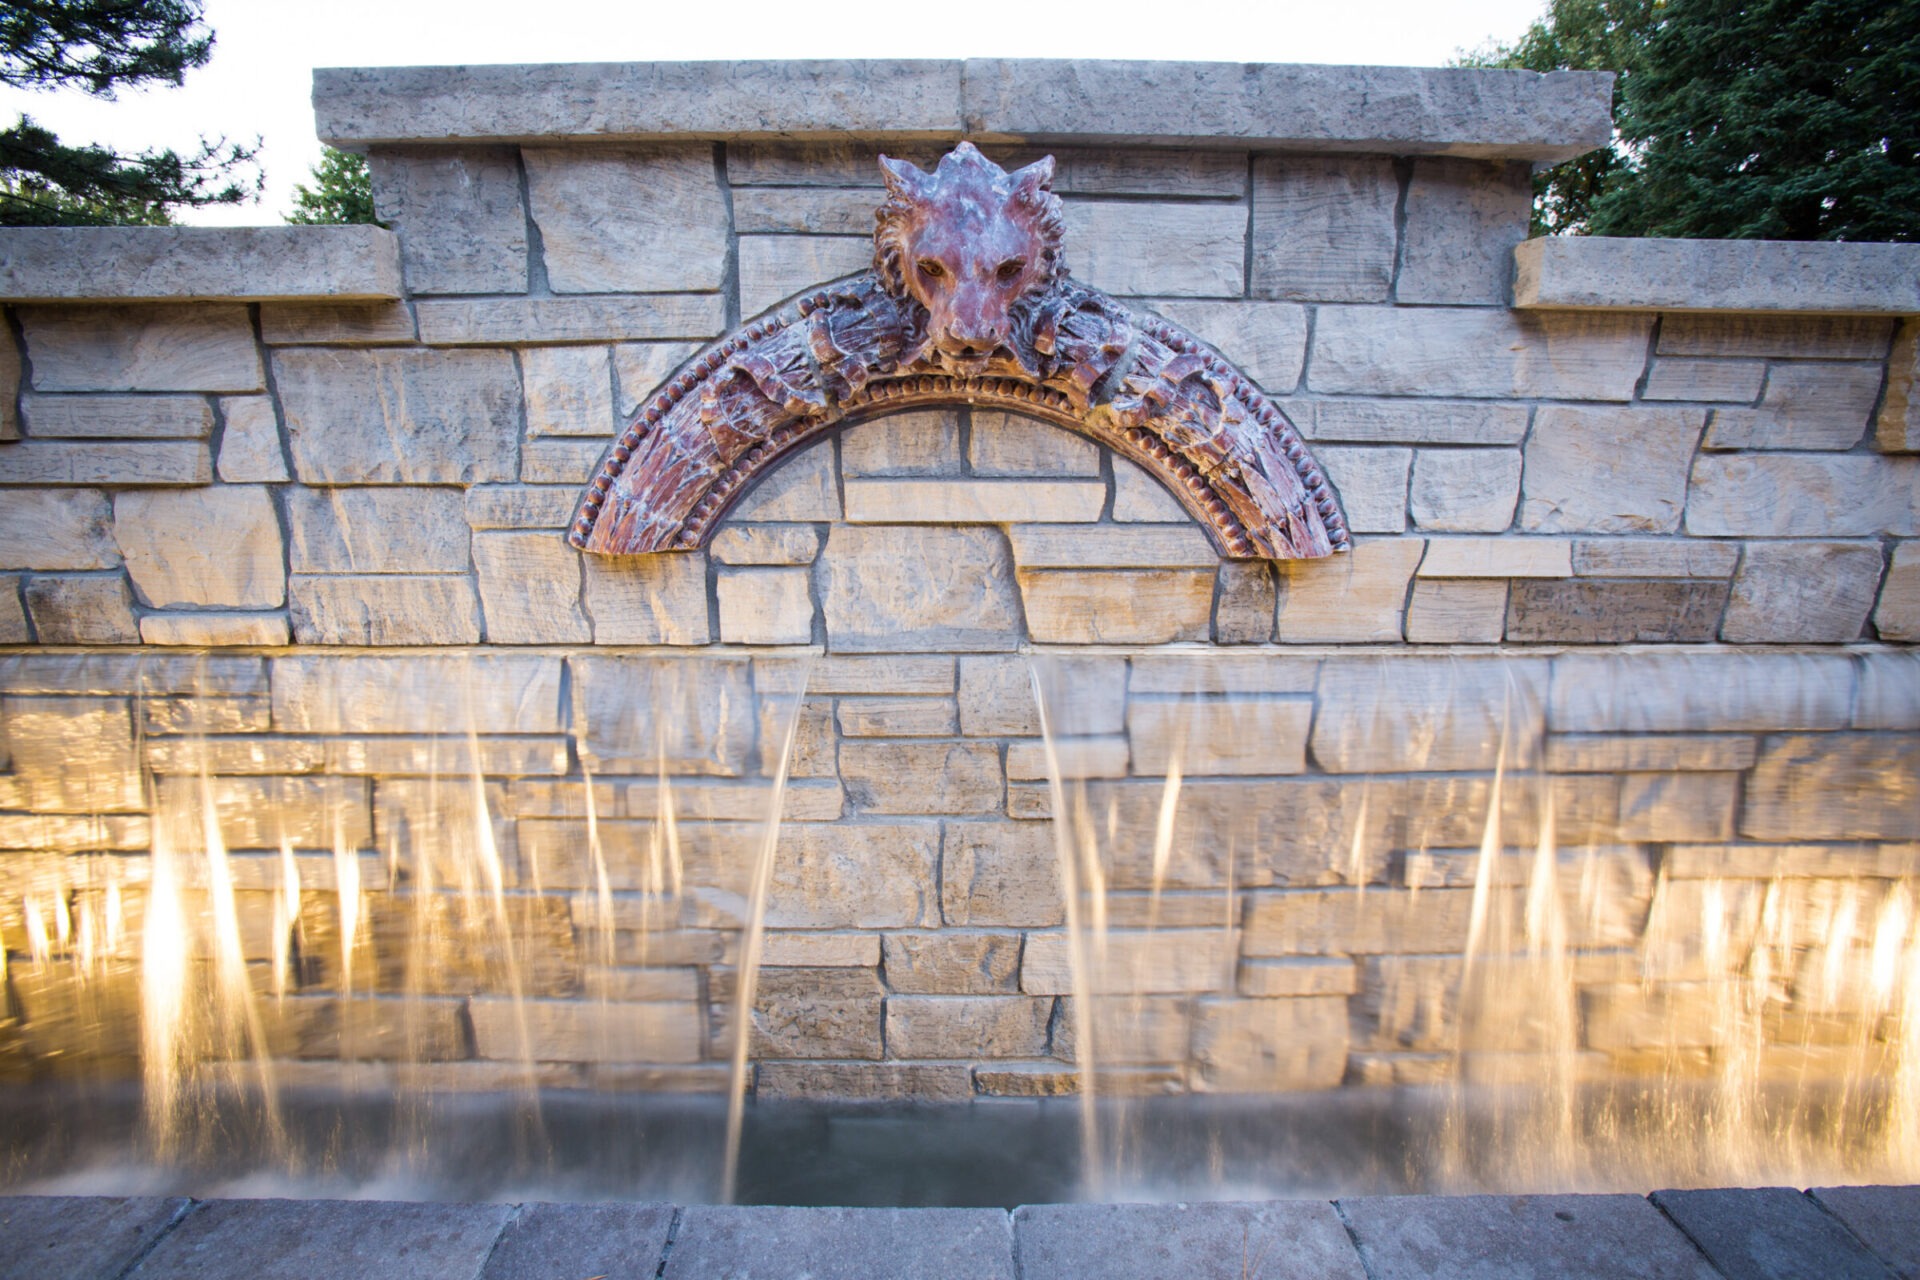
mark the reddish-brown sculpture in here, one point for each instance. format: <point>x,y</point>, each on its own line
<point>968,302</point>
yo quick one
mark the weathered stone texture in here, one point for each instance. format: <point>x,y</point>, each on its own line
<point>918,777</point>
<point>1266,340</point>
<point>1808,496</point>
<point>1897,615</point>
<point>1129,962</point>
<point>764,606</point>
<point>1464,219</point>
<point>1679,378</point>
<point>1653,558</point>
<point>1608,470</point>
<point>382,610</point>
<point>1147,606</point>
<point>642,713</point>
<point>648,599</point>
<point>1456,611</point>
<point>1244,603</point>
<point>1323,228</point>
<point>1004,444</point>
<point>1000,874</point>
<point>903,444</point>
<point>1806,406</point>
<point>1372,484</point>
<point>1498,558</point>
<point>57,529</point>
<point>1441,351</point>
<point>1352,419</point>
<point>210,629</point>
<point>629,219</point>
<point>1357,597</point>
<point>1695,693</point>
<point>1597,611</point>
<point>1167,249</point>
<point>773,268</point>
<point>218,546</point>
<point>73,462</point>
<point>569,391</point>
<point>967,1026</point>
<point>766,544</point>
<point>1464,490</point>
<point>1265,1045</point>
<point>250,451</point>
<point>898,718</point>
<point>462,226</point>
<point>1244,736</point>
<point>335,323</point>
<point>411,530</point>
<point>1139,498</point>
<point>1897,427</point>
<point>400,417</point>
<point>10,372</point>
<point>1817,592</point>
<point>641,367</point>
<point>530,588</point>
<point>1834,787</point>
<point>467,322</point>
<point>973,501</point>
<point>855,876</point>
<point>952,963</point>
<point>194,347</point>
<point>116,417</point>
<point>902,588</point>
<point>1426,713</point>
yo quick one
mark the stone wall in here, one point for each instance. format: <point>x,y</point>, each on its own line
<point>1668,557</point>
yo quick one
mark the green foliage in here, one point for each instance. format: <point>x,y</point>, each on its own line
<point>100,46</point>
<point>1774,119</point>
<point>342,192</point>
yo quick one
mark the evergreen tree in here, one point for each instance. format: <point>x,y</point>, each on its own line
<point>100,46</point>
<point>342,192</point>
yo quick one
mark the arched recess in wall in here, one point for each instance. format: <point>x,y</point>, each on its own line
<point>1056,350</point>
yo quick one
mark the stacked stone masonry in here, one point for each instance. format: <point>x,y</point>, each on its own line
<point>1682,549</point>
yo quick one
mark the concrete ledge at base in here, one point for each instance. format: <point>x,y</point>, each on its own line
<point>1491,114</point>
<point>1593,273</point>
<point>177,264</point>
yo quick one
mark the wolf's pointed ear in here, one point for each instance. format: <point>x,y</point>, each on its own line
<point>1037,177</point>
<point>903,177</point>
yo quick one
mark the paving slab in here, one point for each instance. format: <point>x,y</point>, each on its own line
<point>1520,1238</point>
<point>79,1237</point>
<point>1769,1233</point>
<point>299,1239</point>
<point>754,1243</point>
<point>1275,1240</point>
<point>570,1241</point>
<point>1887,1219</point>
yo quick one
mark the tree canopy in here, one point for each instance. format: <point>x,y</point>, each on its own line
<point>99,47</point>
<point>342,192</point>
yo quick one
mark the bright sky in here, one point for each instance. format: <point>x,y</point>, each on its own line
<point>260,79</point>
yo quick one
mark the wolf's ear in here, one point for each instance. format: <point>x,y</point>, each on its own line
<point>1030,182</point>
<point>903,177</point>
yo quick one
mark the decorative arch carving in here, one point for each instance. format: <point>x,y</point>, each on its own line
<point>969,302</point>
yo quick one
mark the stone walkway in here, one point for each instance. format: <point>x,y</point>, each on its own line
<point>1826,1234</point>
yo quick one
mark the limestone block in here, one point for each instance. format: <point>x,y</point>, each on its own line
<point>1355,420</point>
<point>855,876</point>
<point>1603,470</point>
<point>1464,490</point>
<point>1138,498</point>
<point>1117,606</point>
<point>951,963</point>
<point>820,950</point>
<point>468,322</point>
<point>898,717</point>
<point>801,1013</point>
<point>1372,484</point>
<point>773,268</point>
<point>1133,962</point>
<point>585,1031</point>
<point>462,226</point>
<point>1600,753</point>
<point>1357,597</point>
<point>907,588</point>
<point>387,609</point>
<point>642,367</point>
<point>1209,672</point>
<point>922,777</point>
<point>1004,444</point>
<point>1818,592</point>
<point>151,676</point>
<point>1834,787</point>
<point>387,754</point>
<point>556,461</point>
<point>69,462</point>
<point>1806,406</point>
<point>530,588</point>
<point>973,501</point>
<point>190,347</point>
<point>214,629</point>
<point>688,715</point>
<point>1457,611</point>
<point>802,487</point>
<point>9,388</point>
<point>1346,921</point>
<point>1180,250</point>
<point>1811,496</point>
<point>1440,351</point>
<point>1717,275</point>
<point>648,599</point>
<point>57,529</point>
<point>398,530</point>
<point>764,606</point>
<point>840,673</point>
<point>217,546</point>
<point>1071,758</point>
<point>1653,558</point>
<point>1126,1029</point>
<point>250,451</point>
<point>304,324</point>
<point>520,506</point>
<point>73,833</point>
<point>1323,228</point>
<point>1812,337</point>
<point>801,211</point>
<point>1897,616</point>
<point>996,697</point>
<point>1258,1046</point>
<point>116,417</point>
<point>257,813</point>
<point>1897,428</point>
<point>1596,611</point>
<point>1427,713</point>
<point>1309,976</point>
<point>72,755</point>
<point>400,417</point>
<point>765,544</point>
<point>1242,736</point>
<point>1244,603</point>
<point>1266,340</point>
<point>628,219</point>
<point>867,1081</point>
<point>1096,546</point>
<point>1498,558</point>
<point>1699,693</point>
<point>569,392</point>
<point>13,614</point>
<point>903,444</point>
<point>1000,874</point>
<point>1727,381</point>
<point>967,1026</point>
<point>1464,219</point>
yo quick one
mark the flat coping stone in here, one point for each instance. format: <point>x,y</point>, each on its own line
<point>199,264</point>
<point>1886,1219</point>
<point>1273,1240</point>
<point>612,1241</point>
<point>364,1239</point>
<point>1603,273</point>
<point>1488,113</point>
<point>1769,1233</point>
<point>1520,1238</point>
<point>841,1244</point>
<point>80,1237</point>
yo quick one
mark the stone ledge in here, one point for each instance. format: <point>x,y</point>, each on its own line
<point>1595,274</point>
<point>1490,114</point>
<point>173,264</point>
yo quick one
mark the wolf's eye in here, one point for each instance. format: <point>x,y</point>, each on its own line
<point>1010,269</point>
<point>930,269</point>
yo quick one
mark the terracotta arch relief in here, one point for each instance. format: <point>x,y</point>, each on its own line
<point>969,302</point>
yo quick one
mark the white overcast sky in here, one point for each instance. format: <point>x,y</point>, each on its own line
<point>260,78</point>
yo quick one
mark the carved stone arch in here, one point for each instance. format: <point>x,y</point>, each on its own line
<point>876,343</point>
